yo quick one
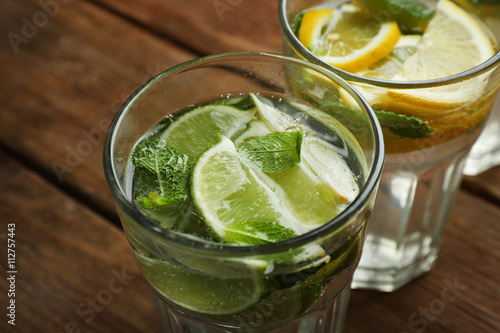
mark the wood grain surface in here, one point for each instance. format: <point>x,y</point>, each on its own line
<point>65,68</point>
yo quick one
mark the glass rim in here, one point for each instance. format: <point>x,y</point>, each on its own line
<point>308,55</point>
<point>129,208</point>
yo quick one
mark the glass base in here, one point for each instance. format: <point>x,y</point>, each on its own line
<point>328,317</point>
<point>384,268</point>
<point>485,153</point>
<point>477,164</point>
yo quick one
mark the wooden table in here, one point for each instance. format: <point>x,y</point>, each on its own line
<point>65,67</point>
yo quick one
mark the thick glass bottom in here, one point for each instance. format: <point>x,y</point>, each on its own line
<point>485,153</point>
<point>478,163</point>
<point>386,268</point>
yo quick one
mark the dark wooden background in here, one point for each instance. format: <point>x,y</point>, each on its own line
<point>65,67</point>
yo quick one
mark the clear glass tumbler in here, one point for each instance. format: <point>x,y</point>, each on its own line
<point>206,286</point>
<point>422,174</point>
<point>485,153</point>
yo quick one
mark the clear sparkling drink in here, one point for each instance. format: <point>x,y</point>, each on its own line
<point>246,200</point>
<point>429,71</point>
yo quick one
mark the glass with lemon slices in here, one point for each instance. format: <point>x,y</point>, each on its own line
<point>245,203</point>
<point>485,154</point>
<point>429,69</point>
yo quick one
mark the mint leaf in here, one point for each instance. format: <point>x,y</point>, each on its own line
<point>296,22</point>
<point>412,15</point>
<point>404,126</point>
<point>161,173</point>
<point>275,152</point>
<point>257,233</point>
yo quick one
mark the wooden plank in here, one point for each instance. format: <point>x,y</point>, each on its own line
<point>75,271</point>
<point>61,89</point>
<point>208,26</point>
<point>460,294</point>
<point>485,184</point>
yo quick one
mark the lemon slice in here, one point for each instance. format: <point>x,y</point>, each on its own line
<point>352,40</point>
<point>453,43</point>
<point>314,25</point>
<point>389,66</point>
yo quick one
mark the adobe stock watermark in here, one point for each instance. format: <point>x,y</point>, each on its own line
<point>224,6</point>
<point>87,310</point>
<point>30,26</point>
<point>449,294</point>
<point>94,137</point>
<point>426,148</point>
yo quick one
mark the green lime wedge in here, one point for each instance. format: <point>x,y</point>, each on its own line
<point>206,293</point>
<point>280,307</point>
<point>227,189</point>
<point>198,129</point>
<point>275,120</point>
<point>254,129</point>
<point>323,174</point>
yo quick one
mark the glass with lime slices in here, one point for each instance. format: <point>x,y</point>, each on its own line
<point>245,203</point>
<point>429,69</point>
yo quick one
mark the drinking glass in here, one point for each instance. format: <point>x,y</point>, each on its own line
<point>485,153</point>
<point>421,175</point>
<point>206,286</point>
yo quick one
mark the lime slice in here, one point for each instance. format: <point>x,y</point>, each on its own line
<point>314,286</point>
<point>329,166</point>
<point>255,129</point>
<point>351,41</point>
<point>275,120</point>
<point>322,174</point>
<point>206,293</point>
<point>198,129</point>
<point>226,189</point>
<point>241,204</point>
<point>272,311</point>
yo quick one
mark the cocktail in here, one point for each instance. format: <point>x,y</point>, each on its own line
<point>429,69</point>
<point>245,203</point>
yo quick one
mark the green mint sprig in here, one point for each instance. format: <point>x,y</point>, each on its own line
<point>161,173</point>
<point>402,125</point>
<point>412,15</point>
<point>275,152</point>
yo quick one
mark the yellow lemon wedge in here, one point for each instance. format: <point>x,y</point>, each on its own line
<point>348,38</point>
<point>453,42</point>
<point>389,66</point>
<point>314,24</point>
